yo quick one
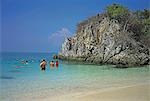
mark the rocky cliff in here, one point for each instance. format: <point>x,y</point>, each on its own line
<point>103,41</point>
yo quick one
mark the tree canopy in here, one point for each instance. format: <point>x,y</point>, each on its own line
<point>138,22</point>
<point>117,11</point>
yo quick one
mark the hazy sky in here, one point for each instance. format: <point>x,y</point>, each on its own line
<point>41,25</point>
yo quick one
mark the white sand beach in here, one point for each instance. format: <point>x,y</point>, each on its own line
<point>139,92</point>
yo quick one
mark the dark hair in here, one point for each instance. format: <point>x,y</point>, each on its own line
<point>52,61</point>
<point>43,59</point>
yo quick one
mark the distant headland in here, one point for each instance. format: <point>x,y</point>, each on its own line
<point>118,36</point>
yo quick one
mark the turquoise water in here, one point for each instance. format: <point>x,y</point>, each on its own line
<point>18,80</point>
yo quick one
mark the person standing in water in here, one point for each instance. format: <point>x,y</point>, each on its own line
<point>56,63</point>
<point>43,64</point>
<point>52,64</point>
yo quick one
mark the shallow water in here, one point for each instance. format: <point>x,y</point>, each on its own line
<point>18,79</point>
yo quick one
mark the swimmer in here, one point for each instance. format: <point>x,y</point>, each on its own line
<point>43,64</point>
<point>52,64</point>
<point>56,63</point>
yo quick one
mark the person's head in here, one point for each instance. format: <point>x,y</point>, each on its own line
<point>43,59</point>
<point>52,61</point>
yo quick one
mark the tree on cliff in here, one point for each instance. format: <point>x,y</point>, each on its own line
<point>116,11</point>
<point>144,18</point>
<point>137,22</point>
<point>122,14</point>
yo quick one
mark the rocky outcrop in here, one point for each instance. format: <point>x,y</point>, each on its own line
<point>103,41</point>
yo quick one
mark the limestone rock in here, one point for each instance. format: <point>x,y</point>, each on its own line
<point>103,41</point>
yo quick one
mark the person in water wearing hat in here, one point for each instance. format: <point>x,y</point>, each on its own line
<point>43,64</point>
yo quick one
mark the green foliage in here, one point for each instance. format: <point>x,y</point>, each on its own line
<point>145,14</point>
<point>138,22</point>
<point>146,28</point>
<point>117,12</point>
<point>144,18</point>
<point>142,14</point>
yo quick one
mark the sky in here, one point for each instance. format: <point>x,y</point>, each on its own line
<point>42,25</point>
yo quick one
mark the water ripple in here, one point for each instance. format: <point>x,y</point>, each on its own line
<point>6,77</point>
<point>15,71</point>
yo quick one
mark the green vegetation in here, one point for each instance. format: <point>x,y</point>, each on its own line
<point>116,11</point>
<point>137,22</point>
<point>146,28</point>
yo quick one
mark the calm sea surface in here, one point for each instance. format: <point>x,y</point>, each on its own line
<point>17,79</point>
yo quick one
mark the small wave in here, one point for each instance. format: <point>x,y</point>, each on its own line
<point>6,77</point>
<point>15,71</point>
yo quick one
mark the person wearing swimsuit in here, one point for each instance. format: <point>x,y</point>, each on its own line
<point>43,64</point>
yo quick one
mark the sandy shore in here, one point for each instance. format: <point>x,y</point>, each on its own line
<point>127,93</point>
<point>139,92</point>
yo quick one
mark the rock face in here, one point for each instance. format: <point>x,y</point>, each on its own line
<point>102,41</point>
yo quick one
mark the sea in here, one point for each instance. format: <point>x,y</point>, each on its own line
<point>20,80</point>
